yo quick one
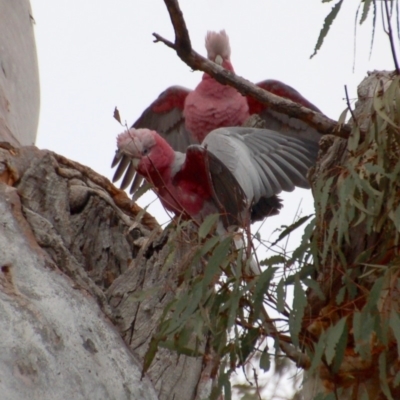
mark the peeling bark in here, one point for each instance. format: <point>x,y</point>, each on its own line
<point>56,342</point>
<point>175,377</point>
<point>78,227</point>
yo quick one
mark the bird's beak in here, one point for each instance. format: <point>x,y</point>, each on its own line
<point>135,162</point>
<point>219,60</point>
<point>130,146</point>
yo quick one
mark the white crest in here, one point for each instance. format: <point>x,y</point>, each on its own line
<point>217,44</point>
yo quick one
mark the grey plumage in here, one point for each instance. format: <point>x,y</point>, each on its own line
<point>263,162</point>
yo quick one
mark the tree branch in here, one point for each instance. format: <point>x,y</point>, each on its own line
<point>183,48</point>
<point>323,124</point>
<point>299,358</point>
<point>182,39</point>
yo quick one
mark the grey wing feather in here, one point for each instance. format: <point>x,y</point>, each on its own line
<point>289,126</point>
<point>285,158</point>
<point>277,170</point>
<point>272,184</point>
<point>165,116</point>
<point>263,161</point>
<point>129,176</point>
<point>280,122</point>
<point>123,161</point>
<point>228,194</point>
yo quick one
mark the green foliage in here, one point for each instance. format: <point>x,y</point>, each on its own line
<point>335,335</point>
<point>327,24</point>
<point>209,223</point>
<point>222,312</point>
<point>297,312</point>
<point>383,376</point>
<point>366,188</point>
<point>220,308</point>
<point>366,7</point>
<point>395,325</point>
<point>357,228</point>
<point>329,396</point>
<point>265,361</point>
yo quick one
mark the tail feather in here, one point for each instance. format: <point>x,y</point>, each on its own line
<point>266,207</point>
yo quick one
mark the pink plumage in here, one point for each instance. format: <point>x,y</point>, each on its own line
<point>184,117</point>
<point>180,191</point>
<point>212,105</point>
<point>236,172</point>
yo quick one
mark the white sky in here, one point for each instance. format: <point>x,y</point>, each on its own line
<point>97,54</point>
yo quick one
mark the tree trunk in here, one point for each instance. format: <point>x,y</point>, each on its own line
<point>66,235</point>
<point>75,258</point>
<point>78,260</point>
<point>56,341</point>
<point>356,187</point>
<point>19,76</point>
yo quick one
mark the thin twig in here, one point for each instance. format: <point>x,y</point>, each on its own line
<point>390,34</point>
<point>257,385</point>
<point>159,38</point>
<point>348,105</point>
<point>182,46</point>
<point>299,358</point>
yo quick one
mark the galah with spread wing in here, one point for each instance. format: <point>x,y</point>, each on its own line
<point>235,171</point>
<point>184,117</point>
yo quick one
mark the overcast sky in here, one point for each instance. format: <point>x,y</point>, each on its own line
<point>97,54</point>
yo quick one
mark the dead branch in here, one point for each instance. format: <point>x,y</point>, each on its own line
<point>183,48</point>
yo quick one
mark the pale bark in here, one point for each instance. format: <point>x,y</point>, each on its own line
<point>75,256</point>
<point>56,339</point>
<point>19,76</point>
<point>71,244</point>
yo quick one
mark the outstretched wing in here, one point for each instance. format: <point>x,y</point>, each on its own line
<point>204,173</point>
<point>280,122</point>
<point>165,116</point>
<point>263,162</point>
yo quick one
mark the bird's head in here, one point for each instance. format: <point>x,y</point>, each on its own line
<point>219,49</point>
<point>146,148</point>
<point>136,143</point>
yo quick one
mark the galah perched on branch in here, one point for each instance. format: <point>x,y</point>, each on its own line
<point>183,117</point>
<point>236,171</point>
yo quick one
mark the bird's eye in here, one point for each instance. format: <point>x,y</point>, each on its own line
<point>145,151</point>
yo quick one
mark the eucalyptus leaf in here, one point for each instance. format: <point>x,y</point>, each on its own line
<point>297,312</point>
<point>383,376</point>
<point>216,260</point>
<point>327,24</point>
<point>334,334</point>
<point>366,8</point>
<point>261,289</point>
<point>208,224</point>
<point>265,361</point>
